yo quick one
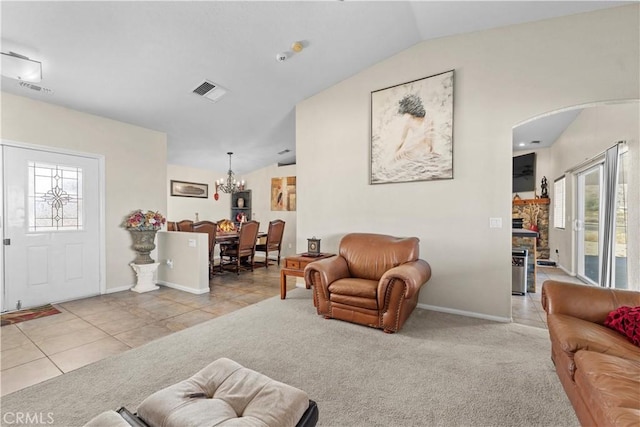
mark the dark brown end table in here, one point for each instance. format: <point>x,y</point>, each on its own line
<point>294,266</point>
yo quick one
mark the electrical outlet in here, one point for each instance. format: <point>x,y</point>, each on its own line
<point>192,243</point>
<point>170,264</point>
<point>289,245</point>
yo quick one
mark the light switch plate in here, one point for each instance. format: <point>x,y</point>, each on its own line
<point>192,243</point>
<point>495,222</point>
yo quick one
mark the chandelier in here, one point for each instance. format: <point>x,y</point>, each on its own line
<point>230,184</point>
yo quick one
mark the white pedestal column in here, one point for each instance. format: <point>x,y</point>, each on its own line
<point>145,277</point>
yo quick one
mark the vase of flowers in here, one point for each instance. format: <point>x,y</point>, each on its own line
<point>143,228</point>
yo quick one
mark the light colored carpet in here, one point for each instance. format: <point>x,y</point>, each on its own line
<point>440,370</point>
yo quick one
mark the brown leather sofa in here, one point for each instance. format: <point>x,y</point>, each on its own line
<point>375,280</point>
<point>597,366</point>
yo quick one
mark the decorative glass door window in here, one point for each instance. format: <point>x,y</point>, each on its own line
<point>54,198</point>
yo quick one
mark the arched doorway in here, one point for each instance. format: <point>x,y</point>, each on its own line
<point>569,147</point>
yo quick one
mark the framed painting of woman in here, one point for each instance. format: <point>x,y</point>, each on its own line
<point>412,131</point>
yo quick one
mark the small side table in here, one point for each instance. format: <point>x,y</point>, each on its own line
<point>294,266</point>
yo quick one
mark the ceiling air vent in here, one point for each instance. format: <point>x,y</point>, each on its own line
<point>212,91</point>
<point>37,88</point>
<point>289,160</point>
<point>287,163</point>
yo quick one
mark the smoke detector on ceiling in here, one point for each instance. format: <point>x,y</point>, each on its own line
<point>296,47</point>
<point>212,91</point>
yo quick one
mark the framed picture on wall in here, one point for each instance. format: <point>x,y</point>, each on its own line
<point>189,189</point>
<point>283,193</point>
<point>412,131</point>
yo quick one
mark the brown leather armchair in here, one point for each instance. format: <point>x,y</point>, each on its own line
<point>375,280</point>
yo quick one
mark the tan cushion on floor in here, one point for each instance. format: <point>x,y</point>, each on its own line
<point>610,386</point>
<point>107,419</point>
<point>235,396</point>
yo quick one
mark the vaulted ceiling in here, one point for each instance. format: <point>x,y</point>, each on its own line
<point>138,62</point>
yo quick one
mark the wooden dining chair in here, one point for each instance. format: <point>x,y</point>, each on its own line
<point>185,225</point>
<point>246,246</point>
<point>274,240</point>
<point>172,226</point>
<point>210,228</point>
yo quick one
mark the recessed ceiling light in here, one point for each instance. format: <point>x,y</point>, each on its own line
<point>522,144</point>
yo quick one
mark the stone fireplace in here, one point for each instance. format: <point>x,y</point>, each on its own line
<point>534,210</point>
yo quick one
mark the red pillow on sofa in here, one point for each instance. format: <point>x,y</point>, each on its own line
<point>625,320</point>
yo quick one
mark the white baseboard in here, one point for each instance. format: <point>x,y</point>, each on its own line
<point>566,271</point>
<point>183,288</point>
<point>465,313</point>
<point>119,289</point>
<point>449,310</point>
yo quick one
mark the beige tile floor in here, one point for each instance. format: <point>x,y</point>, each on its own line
<point>527,309</point>
<point>91,329</point>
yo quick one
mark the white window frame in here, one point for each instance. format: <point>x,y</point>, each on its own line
<point>559,202</point>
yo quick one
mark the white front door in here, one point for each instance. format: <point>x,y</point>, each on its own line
<point>51,227</point>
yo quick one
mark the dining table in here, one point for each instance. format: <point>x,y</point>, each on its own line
<point>226,237</point>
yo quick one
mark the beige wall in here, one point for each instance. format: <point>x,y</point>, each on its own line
<point>593,131</point>
<point>188,254</point>
<point>135,165</point>
<point>260,184</point>
<point>502,77</point>
<point>179,208</point>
